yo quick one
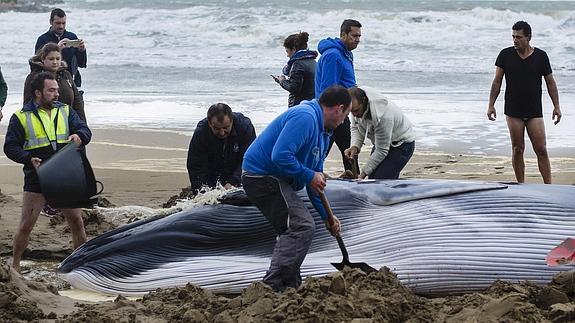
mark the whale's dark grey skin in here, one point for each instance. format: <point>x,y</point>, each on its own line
<point>439,237</point>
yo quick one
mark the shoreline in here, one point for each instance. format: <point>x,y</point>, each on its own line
<point>146,168</point>
<point>153,162</point>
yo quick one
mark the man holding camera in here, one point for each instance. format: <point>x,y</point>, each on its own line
<point>73,49</point>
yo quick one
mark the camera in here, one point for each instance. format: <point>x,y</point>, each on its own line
<point>73,42</point>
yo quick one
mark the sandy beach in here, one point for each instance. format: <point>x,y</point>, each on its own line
<point>146,168</point>
<point>143,167</point>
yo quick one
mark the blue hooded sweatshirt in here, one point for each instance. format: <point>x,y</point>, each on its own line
<point>335,66</point>
<point>292,147</point>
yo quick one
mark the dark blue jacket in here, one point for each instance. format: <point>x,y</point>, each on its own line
<point>335,66</point>
<point>3,90</point>
<point>211,159</point>
<point>74,57</point>
<point>292,147</point>
<point>16,136</point>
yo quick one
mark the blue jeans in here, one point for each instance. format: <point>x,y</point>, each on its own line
<point>396,159</point>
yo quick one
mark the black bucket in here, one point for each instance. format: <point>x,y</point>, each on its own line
<point>67,179</point>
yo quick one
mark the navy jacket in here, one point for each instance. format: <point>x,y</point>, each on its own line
<point>3,90</point>
<point>74,57</point>
<point>16,136</point>
<point>211,159</point>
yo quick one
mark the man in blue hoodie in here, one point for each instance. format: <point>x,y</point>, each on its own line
<point>335,66</point>
<point>287,156</point>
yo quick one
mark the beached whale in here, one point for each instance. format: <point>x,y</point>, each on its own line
<point>439,237</point>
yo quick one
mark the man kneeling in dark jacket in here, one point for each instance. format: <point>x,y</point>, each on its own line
<point>217,148</point>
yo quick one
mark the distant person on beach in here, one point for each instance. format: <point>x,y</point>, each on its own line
<point>73,49</point>
<point>280,162</point>
<point>335,66</point>
<point>217,148</point>
<point>523,66</point>
<point>37,131</point>
<point>388,129</point>
<point>299,72</point>
<point>3,93</point>
<point>49,59</point>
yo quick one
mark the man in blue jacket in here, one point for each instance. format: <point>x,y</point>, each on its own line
<point>335,66</point>
<point>35,133</point>
<point>3,93</point>
<point>287,156</point>
<point>73,53</point>
<point>217,148</point>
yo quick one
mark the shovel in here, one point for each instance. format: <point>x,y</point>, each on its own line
<point>354,168</point>
<point>563,254</point>
<point>345,262</point>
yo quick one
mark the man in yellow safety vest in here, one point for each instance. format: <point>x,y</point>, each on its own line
<point>36,132</point>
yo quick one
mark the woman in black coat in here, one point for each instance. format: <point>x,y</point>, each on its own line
<point>299,73</point>
<point>49,59</point>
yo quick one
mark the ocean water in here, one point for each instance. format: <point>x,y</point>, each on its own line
<point>160,64</point>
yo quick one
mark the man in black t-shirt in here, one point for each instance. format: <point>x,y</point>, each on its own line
<point>523,66</point>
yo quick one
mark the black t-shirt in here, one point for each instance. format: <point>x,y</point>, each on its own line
<point>523,81</point>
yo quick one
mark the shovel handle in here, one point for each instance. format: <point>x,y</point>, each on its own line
<point>354,169</point>
<point>327,208</point>
<point>343,249</point>
<point>330,219</point>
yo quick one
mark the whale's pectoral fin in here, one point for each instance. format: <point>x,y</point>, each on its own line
<point>563,254</point>
<point>237,198</point>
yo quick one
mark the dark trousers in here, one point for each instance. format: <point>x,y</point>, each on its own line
<point>291,220</point>
<point>342,138</point>
<point>394,162</point>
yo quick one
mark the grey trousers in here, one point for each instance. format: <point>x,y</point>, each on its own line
<point>292,221</point>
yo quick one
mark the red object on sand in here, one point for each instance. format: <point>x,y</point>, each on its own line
<point>563,254</point>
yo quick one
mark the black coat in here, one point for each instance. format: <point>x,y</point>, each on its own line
<point>301,81</point>
<point>74,57</point>
<point>211,159</point>
<point>68,92</point>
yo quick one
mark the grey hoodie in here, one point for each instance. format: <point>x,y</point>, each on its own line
<point>385,125</point>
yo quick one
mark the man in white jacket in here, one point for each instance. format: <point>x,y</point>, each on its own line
<point>388,129</point>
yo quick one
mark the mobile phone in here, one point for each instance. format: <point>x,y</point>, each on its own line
<point>73,42</point>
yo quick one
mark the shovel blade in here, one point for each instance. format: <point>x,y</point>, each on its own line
<point>359,265</point>
<point>563,254</point>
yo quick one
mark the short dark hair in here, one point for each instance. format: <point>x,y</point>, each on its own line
<point>359,94</point>
<point>522,25</point>
<point>297,41</point>
<point>38,81</point>
<point>347,24</point>
<point>57,12</point>
<point>335,95</point>
<point>220,110</point>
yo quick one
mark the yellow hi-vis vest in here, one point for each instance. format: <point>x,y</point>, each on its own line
<point>40,135</point>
